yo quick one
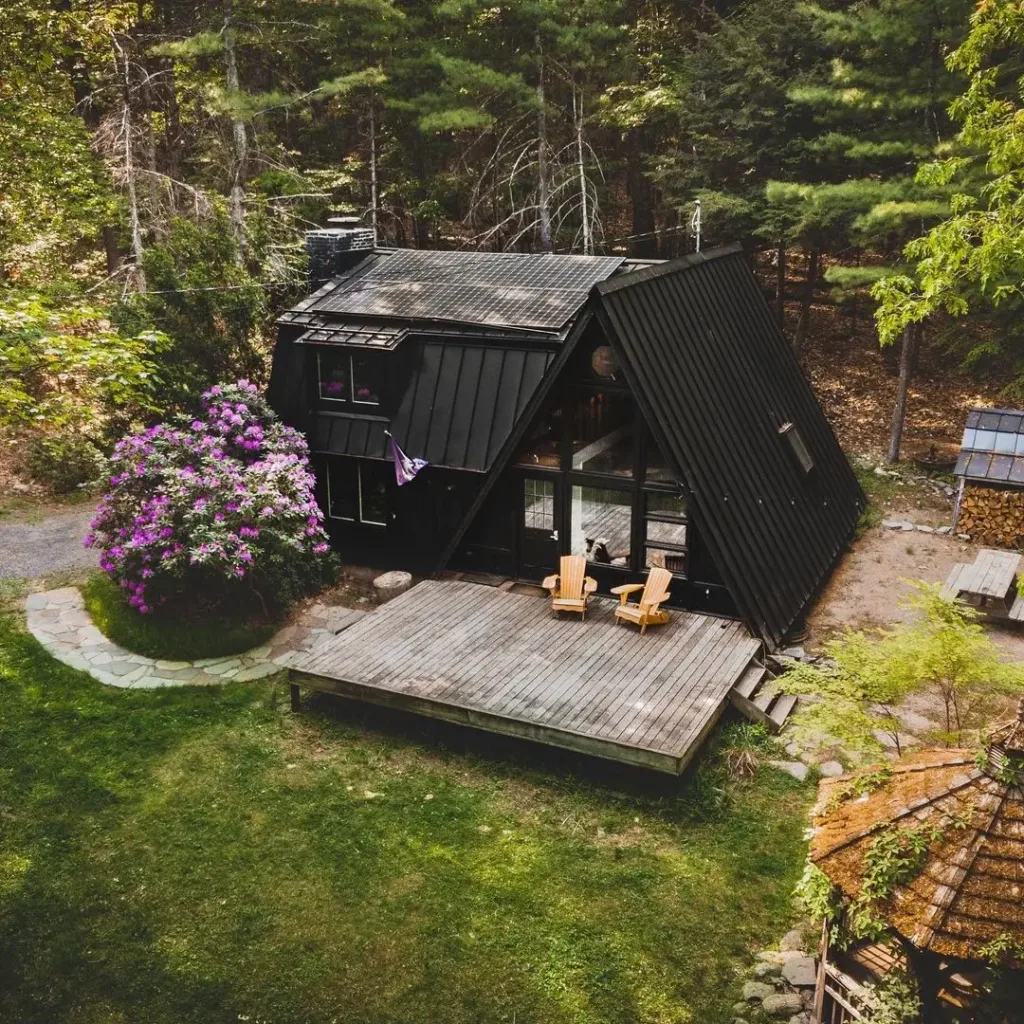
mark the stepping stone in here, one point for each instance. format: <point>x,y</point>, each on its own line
<point>220,668</point>
<point>795,768</point>
<point>36,602</point>
<point>800,972</point>
<point>756,991</point>
<point>122,667</point>
<point>264,668</point>
<point>792,941</point>
<point>172,665</point>
<point>831,769</point>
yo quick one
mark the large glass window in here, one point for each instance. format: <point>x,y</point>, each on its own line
<point>366,374</point>
<point>539,504</point>
<point>657,467</point>
<point>602,432</point>
<point>666,531</point>
<point>357,491</point>
<point>601,521</point>
<point>374,480</point>
<point>333,370</point>
<point>343,489</point>
<point>345,377</point>
<point>542,448</point>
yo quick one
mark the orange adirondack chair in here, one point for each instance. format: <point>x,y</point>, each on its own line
<point>645,612</point>
<point>570,590</point>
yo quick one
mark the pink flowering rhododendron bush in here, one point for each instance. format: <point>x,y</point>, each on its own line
<point>214,510</point>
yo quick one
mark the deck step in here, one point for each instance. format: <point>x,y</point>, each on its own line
<point>750,680</point>
<point>763,701</point>
<point>781,709</point>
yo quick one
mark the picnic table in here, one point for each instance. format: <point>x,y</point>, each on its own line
<point>988,584</point>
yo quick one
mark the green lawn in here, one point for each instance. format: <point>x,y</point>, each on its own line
<point>203,855</point>
<point>160,635</point>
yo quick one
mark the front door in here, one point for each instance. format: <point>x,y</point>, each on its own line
<point>539,546</point>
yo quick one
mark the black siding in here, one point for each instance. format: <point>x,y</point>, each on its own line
<point>457,411</point>
<point>717,379</point>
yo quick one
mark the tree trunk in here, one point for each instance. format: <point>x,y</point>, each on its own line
<point>543,184</point>
<point>805,306</point>
<point>780,284</point>
<point>373,165</point>
<point>899,413</point>
<point>108,236</point>
<point>134,223</point>
<point>240,142</point>
<point>577,107</point>
<point>641,195</point>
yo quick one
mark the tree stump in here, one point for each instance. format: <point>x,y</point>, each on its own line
<point>390,585</point>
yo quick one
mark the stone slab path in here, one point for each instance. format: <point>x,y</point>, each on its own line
<point>59,621</point>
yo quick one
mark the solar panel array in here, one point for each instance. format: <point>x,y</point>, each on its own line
<point>496,289</point>
<point>992,447</point>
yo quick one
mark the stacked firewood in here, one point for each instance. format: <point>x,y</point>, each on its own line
<point>993,516</point>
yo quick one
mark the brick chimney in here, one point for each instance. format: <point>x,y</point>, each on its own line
<point>335,248</point>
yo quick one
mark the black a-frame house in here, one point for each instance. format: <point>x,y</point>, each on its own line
<point>639,414</point>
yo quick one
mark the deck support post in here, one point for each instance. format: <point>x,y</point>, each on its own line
<point>295,697</point>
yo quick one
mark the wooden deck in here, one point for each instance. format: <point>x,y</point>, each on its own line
<point>502,662</point>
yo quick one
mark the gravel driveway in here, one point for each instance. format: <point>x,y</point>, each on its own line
<point>28,550</point>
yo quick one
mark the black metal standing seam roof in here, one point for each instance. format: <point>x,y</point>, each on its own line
<point>992,448</point>
<point>716,380</point>
<point>458,410</point>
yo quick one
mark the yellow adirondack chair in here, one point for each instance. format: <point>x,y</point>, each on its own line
<point>570,590</point>
<point>645,612</point>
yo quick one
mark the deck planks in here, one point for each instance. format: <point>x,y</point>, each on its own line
<point>502,662</point>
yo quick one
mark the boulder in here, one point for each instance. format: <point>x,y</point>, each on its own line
<point>390,585</point>
<point>756,991</point>
<point>782,1004</point>
<point>792,940</point>
<point>764,970</point>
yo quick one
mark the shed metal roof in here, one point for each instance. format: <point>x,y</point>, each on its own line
<point>717,380</point>
<point>541,292</point>
<point>457,411</point>
<point>992,448</point>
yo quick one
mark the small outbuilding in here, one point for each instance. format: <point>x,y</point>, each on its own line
<point>990,501</point>
<point>932,849</point>
<point>641,414</point>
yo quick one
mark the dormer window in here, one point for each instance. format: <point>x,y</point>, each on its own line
<point>350,378</point>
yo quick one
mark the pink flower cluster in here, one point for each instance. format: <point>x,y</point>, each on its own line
<point>228,494</point>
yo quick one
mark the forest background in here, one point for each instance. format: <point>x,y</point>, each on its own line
<point>160,161</point>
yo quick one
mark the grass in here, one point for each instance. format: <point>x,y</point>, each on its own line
<point>158,636</point>
<point>203,855</point>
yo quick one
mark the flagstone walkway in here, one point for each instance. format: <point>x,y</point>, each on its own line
<point>59,621</point>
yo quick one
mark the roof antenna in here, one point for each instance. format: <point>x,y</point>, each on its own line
<point>695,222</point>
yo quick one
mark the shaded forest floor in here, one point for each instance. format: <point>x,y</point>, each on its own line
<point>855,381</point>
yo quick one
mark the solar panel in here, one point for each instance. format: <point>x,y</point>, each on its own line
<point>496,289</point>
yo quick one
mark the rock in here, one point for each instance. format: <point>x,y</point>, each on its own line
<point>800,972</point>
<point>800,1018</point>
<point>795,768</point>
<point>258,671</point>
<point>889,742</point>
<point>391,584</point>
<point>944,529</point>
<point>964,536</point>
<point>756,991</point>
<point>831,769</point>
<point>172,665</point>
<point>782,1004</point>
<point>763,970</point>
<point>794,652</point>
<point>36,602</point>
<point>792,940</point>
<point>794,749</point>
<point>921,528</point>
<point>892,524</point>
<point>907,527</point>
<point>738,1009</point>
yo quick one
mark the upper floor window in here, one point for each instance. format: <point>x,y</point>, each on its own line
<point>349,377</point>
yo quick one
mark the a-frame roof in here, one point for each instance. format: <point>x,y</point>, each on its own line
<point>717,382</point>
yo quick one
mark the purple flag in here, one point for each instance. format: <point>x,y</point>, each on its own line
<point>405,468</point>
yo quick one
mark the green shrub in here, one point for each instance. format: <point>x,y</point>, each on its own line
<point>64,463</point>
